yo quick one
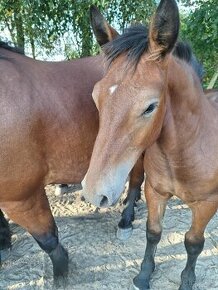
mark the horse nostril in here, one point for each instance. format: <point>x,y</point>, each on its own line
<point>104,202</point>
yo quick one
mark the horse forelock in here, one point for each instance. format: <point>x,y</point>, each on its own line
<point>134,43</point>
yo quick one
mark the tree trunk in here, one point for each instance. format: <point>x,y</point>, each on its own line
<point>20,39</point>
<point>87,43</point>
<point>33,47</point>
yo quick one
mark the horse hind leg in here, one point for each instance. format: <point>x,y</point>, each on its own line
<point>134,194</point>
<point>35,216</point>
<point>202,212</point>
<point>156,204</point>
<point>5,234</point>
<point>61,189</point>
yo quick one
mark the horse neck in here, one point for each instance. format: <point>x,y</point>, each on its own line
<point>187,108</point>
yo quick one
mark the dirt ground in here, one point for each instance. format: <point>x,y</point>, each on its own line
<point>98,260</point>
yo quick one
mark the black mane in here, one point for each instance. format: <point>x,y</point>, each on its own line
<point>134,41</point>
<point>8,46</point>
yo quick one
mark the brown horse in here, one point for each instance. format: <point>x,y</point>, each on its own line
<point>48,125</point>
<point>152,101</point>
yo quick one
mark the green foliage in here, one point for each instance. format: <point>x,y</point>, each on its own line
<point>47,25</point>
<point>42,24</point>
<point>126,12</point>
<point>120,13</point>
<point>200,27</point>
<point>35,23</point>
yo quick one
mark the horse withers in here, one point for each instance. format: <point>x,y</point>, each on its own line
<point>155,103</point>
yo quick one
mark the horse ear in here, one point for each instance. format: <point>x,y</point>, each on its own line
<point>164,28</point>
<point>102,30</point>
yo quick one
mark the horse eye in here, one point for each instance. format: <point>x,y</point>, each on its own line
<point>150,109</point>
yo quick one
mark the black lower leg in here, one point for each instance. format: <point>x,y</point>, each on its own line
<point>58,255</point>
<point>141,281</point>
<point>188,274</point>
<point>5,234</point>
<point>133,195</point>
<point>128,212</point>
<point>63,185</point>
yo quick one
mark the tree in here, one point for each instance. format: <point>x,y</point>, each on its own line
<point>41,24</point>
<point>46,26</point>
<point>34,23</point>
<point>201,27</point>
<point>119,13</point>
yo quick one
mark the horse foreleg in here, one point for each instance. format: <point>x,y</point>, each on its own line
<point>35,216</point>
<point>134,194</point>
<point>156,204</point>
<point>202,212</point>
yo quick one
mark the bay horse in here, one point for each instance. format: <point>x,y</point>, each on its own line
<point>48,125</point>
<point>151,100</point>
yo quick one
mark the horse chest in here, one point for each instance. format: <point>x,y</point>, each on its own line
<point>158,172</point>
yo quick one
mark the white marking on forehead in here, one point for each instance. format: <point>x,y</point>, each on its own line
<point>113,89</point>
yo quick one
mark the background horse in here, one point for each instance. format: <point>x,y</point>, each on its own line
<point>155,103</point>
<point>48,125</point>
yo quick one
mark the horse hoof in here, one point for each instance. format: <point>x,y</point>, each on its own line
<point>60,282</point>
<point>124,234</point>
<point>187,287</point>
<point>59,190</point>
<point>133,287</point>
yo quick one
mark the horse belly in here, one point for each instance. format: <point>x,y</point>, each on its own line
<point>197,190</point>
<point>68,168</point>
<point>68,156</point>
<point>21,172</point>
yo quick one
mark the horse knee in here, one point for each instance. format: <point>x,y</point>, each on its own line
<point>193,246</point>
<point>47,241</point>
<point>153,234</point>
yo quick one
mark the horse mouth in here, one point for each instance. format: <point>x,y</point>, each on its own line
<point>101,201</point>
